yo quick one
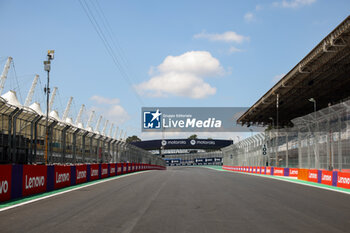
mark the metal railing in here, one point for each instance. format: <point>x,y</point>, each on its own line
<point>22,136</point>
<point>319,140</point>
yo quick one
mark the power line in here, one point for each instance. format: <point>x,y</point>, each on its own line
<point>107,46</point>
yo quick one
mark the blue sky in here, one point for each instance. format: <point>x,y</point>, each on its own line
<point>229,53</point>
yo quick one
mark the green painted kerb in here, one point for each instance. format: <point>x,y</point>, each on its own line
<point>39,195</point>
<point>285,178</point>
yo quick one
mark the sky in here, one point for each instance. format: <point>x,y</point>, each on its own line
<point>118,56</point>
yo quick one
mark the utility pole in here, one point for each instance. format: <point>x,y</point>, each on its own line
<point>47,67</point>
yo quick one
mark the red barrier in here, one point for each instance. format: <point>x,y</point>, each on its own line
<point>344,180</point>
<point>268,170</point>
<point>293,172</point>
<point>263,170</point>
<point>94,171</point>
<point>81,173</point>
<point>34,179</point>
<point>5,182</point>
<point>258,170</point>
<point>112,170</point>
<point>278,171</point>
<point>104,170</point>
<point>62,176</point>
<point>312,175</point>
<point>119,168</point>
<point>326,177</point>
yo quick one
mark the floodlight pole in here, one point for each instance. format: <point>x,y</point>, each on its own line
<point>47,68</point>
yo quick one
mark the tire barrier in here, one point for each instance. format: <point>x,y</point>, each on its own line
<point>332,178</point>
<point>17,181</point>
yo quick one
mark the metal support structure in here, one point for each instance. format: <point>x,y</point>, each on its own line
<point>32,144</point>
<point>64,131</point>
<point>50,136</point>
<point>14,151</point>
<point>75,145</point>
<point>9,149</point>
<point>83,146</point>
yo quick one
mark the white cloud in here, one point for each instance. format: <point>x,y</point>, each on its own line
<point>259,7</point>
<point>234,50</point>
<point>183,76</point>
<point>117,114</point>
<point>277,78</point>
<point>110,109</point>
<point>103,100</point>
<point>293,3</point>
<point>249,17</point>
<point>229,36</point>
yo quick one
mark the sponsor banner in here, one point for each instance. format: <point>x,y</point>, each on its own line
<point>113,169</point>
<point>278,171</point>
<point>62,176</point>
<point>94,171</point>
<point>286,171</point>
<point>293,172</point>
<point>344,180</point>
<point>129,167</point>
<point>5,182</point>
<point>268,170</point>
<point>312,175</point>
<point>34,179</point>
<point>104,170</point>
<point>81,173</point>
<point>119,169</point>
<point>326,177</point>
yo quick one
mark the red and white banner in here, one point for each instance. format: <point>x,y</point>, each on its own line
<point>34,179</point>
<point>81,173</point>
<point>5,182</point>
<point>312,175</point>
<point>119,168</point>
<point>344,180</point>
<point>293,172</point>
<point>112,169</point>
<point>326,177</point>
<point>104,170</point>
<point>62,176</point>
<point>94,169</point>
<point>268,170</point>
<point>278,171</point>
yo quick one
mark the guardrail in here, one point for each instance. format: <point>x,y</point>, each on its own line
<point>18,181</point>
<point>333,178</point>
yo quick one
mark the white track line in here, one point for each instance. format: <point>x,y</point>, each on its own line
<point>67,191</point>
<point>285,179</point>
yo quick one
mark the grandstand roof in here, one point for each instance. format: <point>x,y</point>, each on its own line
<point>323,74</point>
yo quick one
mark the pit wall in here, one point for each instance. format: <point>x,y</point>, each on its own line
<point>17,181</point>
<point>333,178</point>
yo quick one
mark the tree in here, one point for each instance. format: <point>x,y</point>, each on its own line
<point>133,138</point>
<point>194,136</point>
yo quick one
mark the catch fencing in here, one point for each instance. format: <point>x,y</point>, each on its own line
<point>319,140</point>
<point>23,134</point>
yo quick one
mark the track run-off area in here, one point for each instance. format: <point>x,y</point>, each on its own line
<point>184,199</point>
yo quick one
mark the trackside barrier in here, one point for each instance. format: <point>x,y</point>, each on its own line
<point>333,178</point>
<point>18,181</point>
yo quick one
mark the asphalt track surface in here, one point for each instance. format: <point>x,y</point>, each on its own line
<point>185,200</point>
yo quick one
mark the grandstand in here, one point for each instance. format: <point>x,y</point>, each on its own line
<point>307,113</point>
